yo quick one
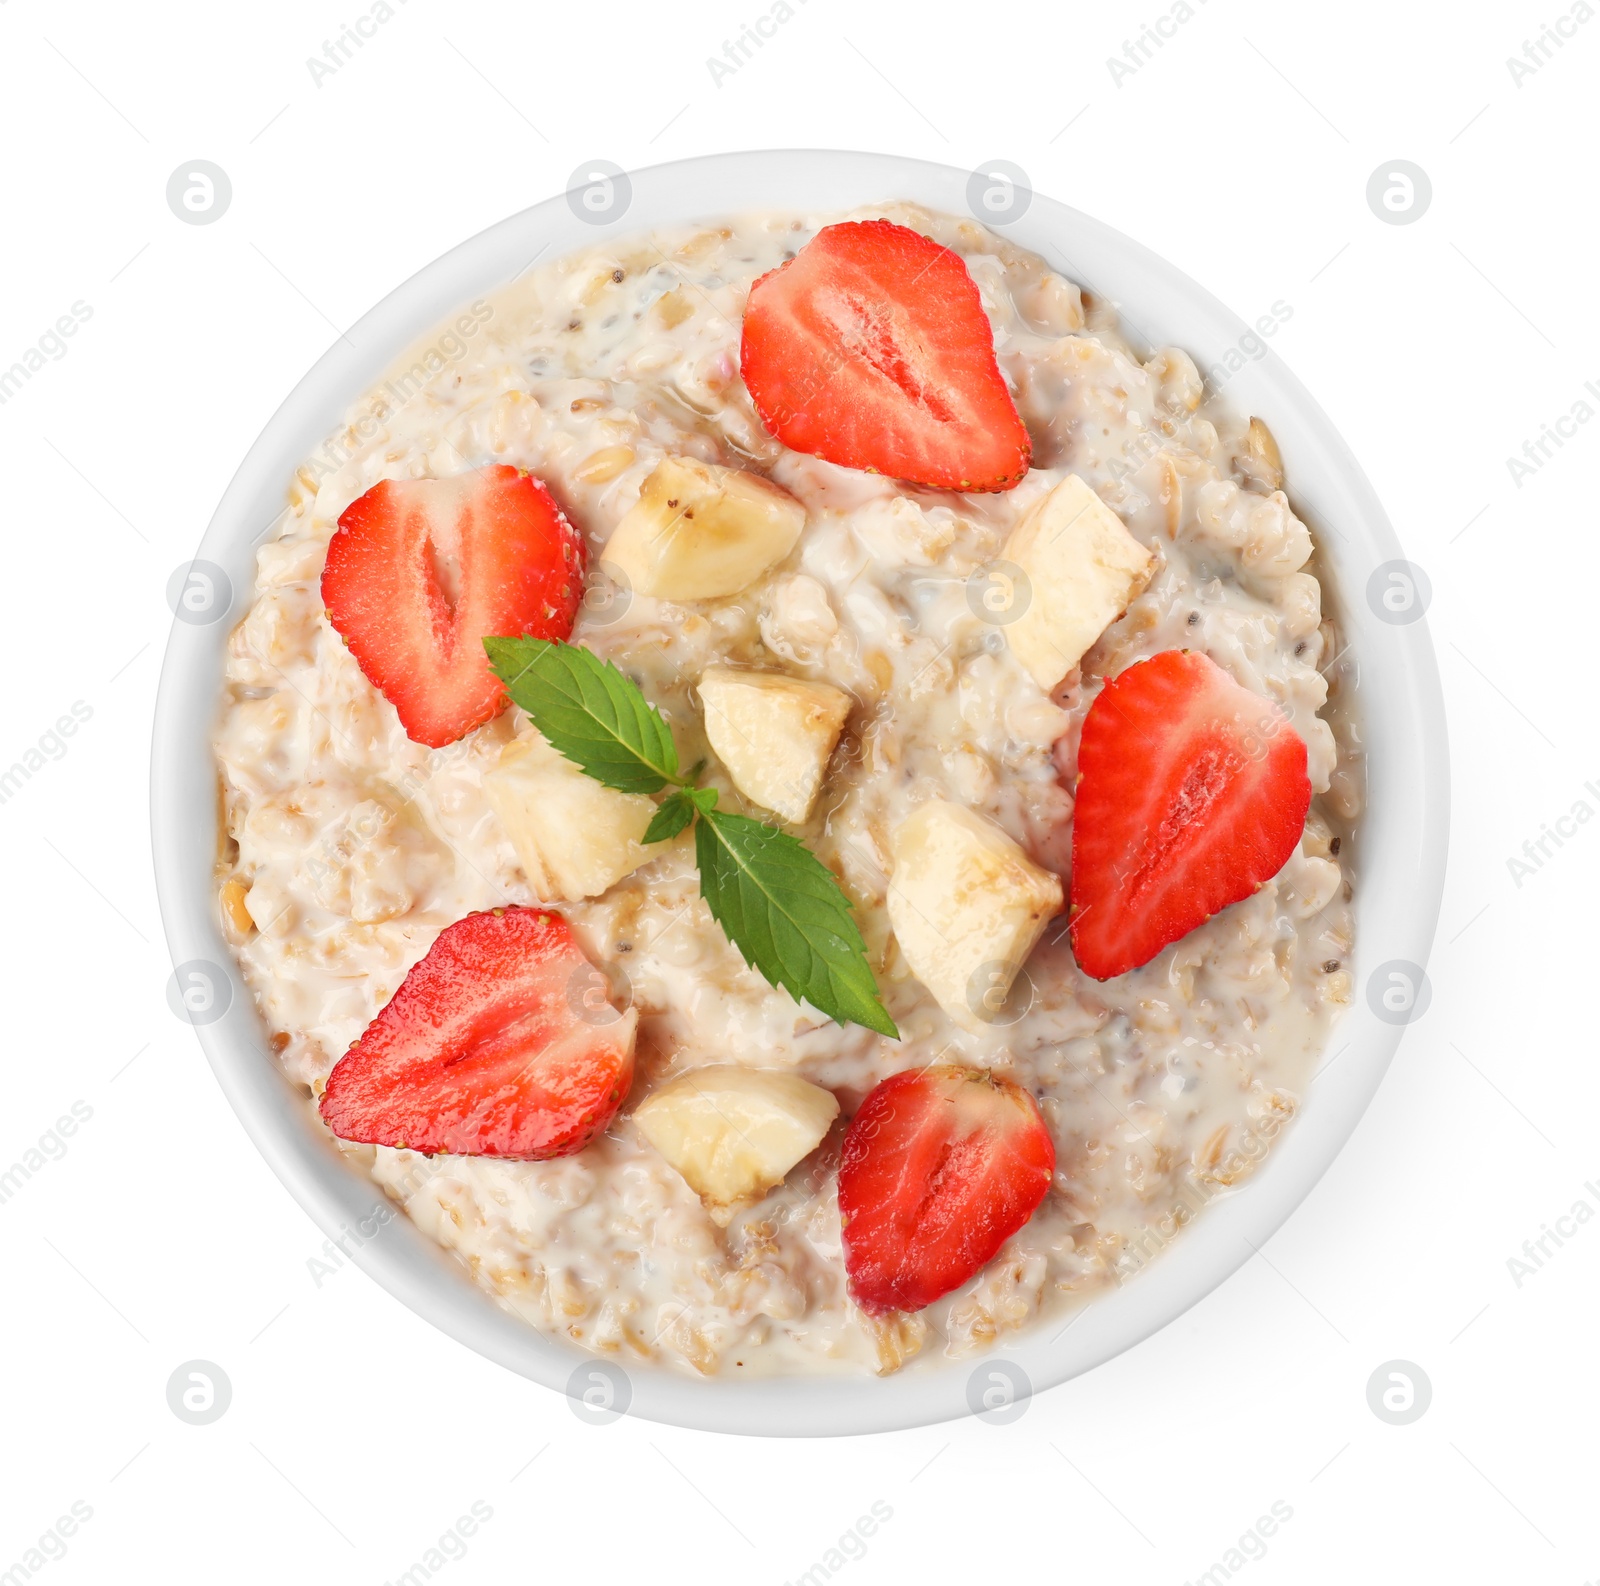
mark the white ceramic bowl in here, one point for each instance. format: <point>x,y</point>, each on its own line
<point>1400,855</point>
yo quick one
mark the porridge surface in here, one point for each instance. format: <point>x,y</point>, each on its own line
<point>349,848</point>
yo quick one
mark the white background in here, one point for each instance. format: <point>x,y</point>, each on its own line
<point>1241,152</point>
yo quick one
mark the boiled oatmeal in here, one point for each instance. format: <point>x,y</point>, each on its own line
<point>979,587</point>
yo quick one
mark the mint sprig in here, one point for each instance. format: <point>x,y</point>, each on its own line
<point>589,712</point>
<point>783,909</point>
<point>673,813</point>
<point>678,808</point>
<point>776,901</point>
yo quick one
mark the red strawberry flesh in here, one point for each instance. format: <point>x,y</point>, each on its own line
<point>489,1048</point>
<point>421,571</point>
<point>1192,792</point>
<point>940,1167</point>
<point>871,349</point>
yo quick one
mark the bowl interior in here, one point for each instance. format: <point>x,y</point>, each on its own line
<point>1402,837</point>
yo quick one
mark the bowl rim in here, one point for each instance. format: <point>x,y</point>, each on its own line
<point>1402,839</point>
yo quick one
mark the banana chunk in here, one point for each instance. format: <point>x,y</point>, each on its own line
<point>967,906</point>
<point>700,532</point>
<point>1084,568</point>
<point>773,733</point>
<point>734,1133</point>
<point>574,836</point>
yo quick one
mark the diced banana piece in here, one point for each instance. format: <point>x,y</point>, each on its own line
<point>700,532</point>
<point>732,1132</point>
<point>574,836</point>
<point>773,733</point>
<point>1083,567</point>
<point>967,906</point>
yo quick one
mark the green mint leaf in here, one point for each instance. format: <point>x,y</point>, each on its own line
<point>589,712</point>
<point>779,904</point>
<point>674,813</point>
<point>785,912</point>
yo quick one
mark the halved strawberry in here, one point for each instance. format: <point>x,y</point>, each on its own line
<point>421,571</point>
<point>870,348</point>
<point>491,1047</point>
<point>1192,792</point>
<point>940,1167</point>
